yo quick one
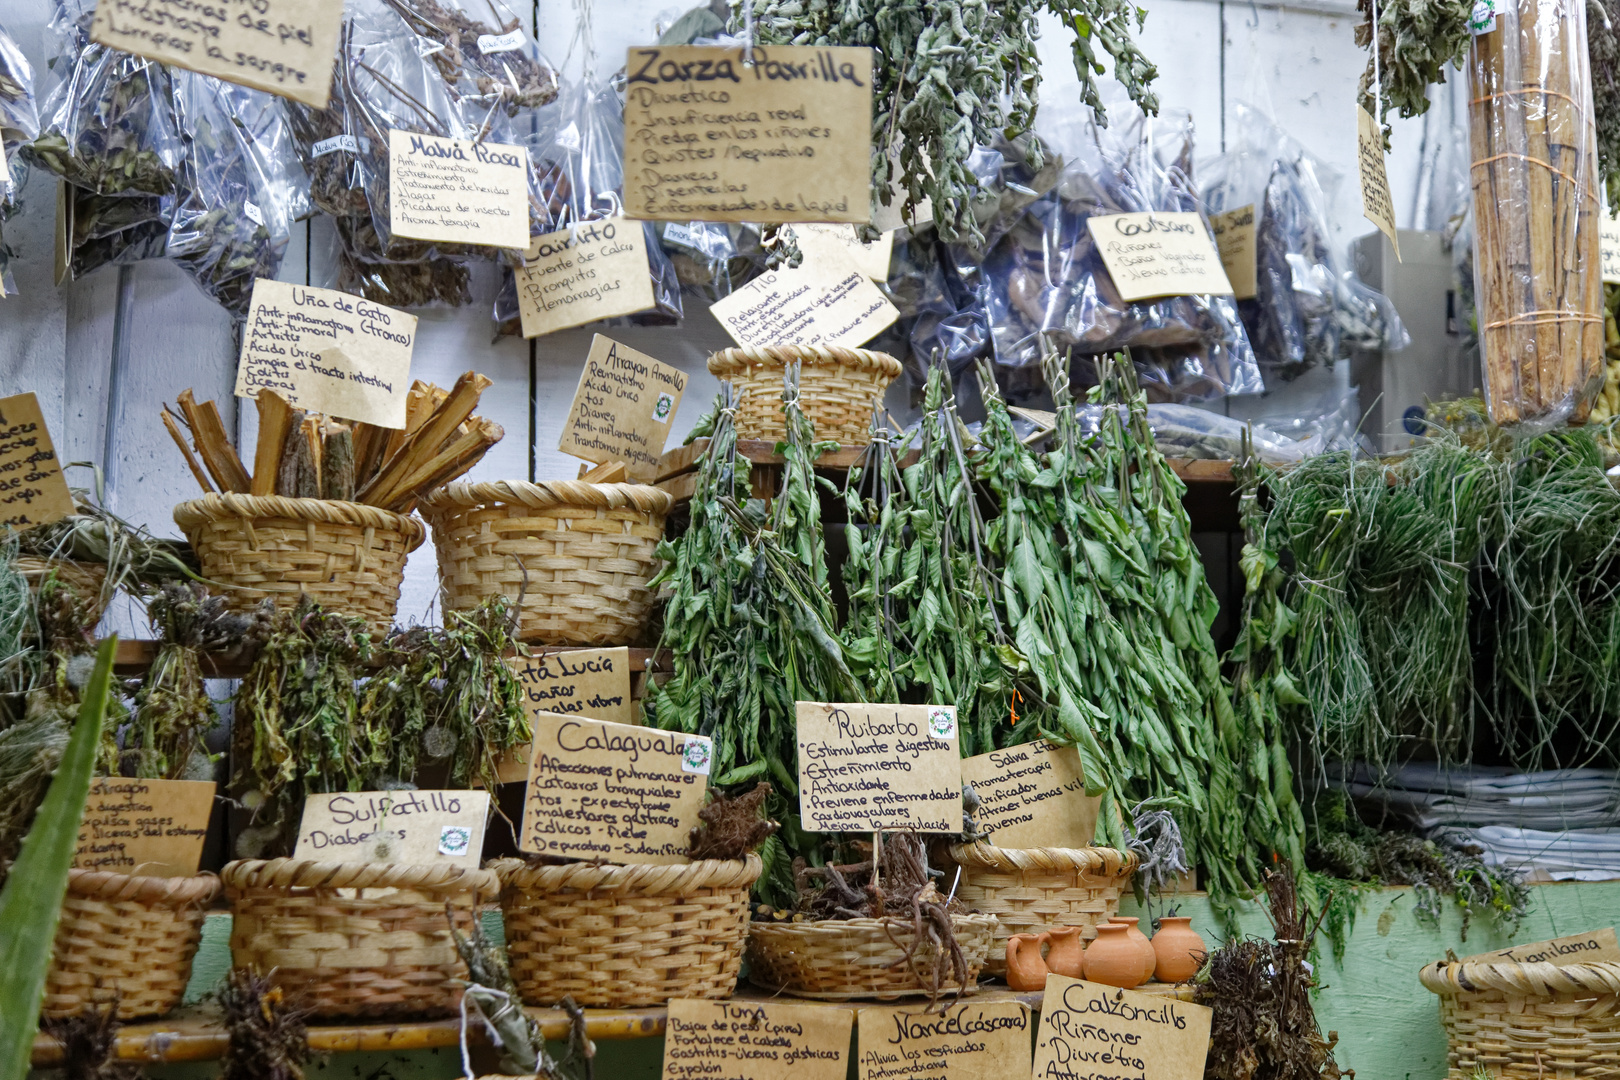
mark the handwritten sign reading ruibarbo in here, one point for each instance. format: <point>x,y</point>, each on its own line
<point>578,682</point>
<point>964,1042</point>
<point>1609,248</point>
<point>824,301</point>
<point>146,828</point>
<point>394,827</point>
<point>1234,238</point>
<point>1088,1029</point>
<point>287,347</point>
<point>755,1040</point>
<point>1596,946</point>
<point>1376,204</point>
<point>281,46</point>
<point>708,138</point>
<point>33,490</point>
<point>458,191</point>
<point>612,792</point>
<point>1159,254</point>
<point>622,409</point>
<point>867,767</point>
<point>594,270</point>
<point>1033,795</point>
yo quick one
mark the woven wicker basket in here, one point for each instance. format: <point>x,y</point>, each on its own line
<point>1034,889</point>
<point>625,935</point>
<point>1529,1021</point>
<point>87,580</point>
<point>838,389</point>
<point>348,557</point>
<point>579,554</point>
<point>355,939</point>
<point>844,960</point>
<point>129,938</point>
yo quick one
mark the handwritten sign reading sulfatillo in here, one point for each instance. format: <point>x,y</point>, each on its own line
<point>458,191</point>
<point>394,827</point>
<point>867,767</point>
<point>33,490</point>
<point>1033,795</point>
<point>1088,1029</point>
<point>622,409</point>
<point>1159,254</point>
<point>595,270</point>
<point>787,139</point>
<point>965,1042</point>
<point>594,683</point>
<point>749,1040</point>
<point>146,828</point>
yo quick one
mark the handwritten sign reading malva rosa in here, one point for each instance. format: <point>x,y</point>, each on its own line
<point>33,490</point>
<point>826,300</point>
<point>594,270</point>
<point>755,1040</point>
<point>458,191</point>
<point>868,767</point>
<point>1088,1029</point>
<point>1159,254</point>
<point>622,409</point>
<point>1594,947</point>
<point>395,827</point>
<point>1033,795</point>
<point>1234,239</point>
<point>145,828</point>
<point>964,1042</point>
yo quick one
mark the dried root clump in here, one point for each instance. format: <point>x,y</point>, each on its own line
<point>266,1033</point>
<point>89,1042</point>
<point>732,825</point>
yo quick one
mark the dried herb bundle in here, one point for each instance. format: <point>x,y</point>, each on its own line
<point>512,73</point>
<point>1603,53</point>
<point>732,826</point>
<point>267,1040</point>
<point>1417,41</point>
<point>89,1042</point>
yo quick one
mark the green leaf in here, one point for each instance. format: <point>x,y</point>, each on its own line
<point>1287,692</point>
<point>1026,570</point>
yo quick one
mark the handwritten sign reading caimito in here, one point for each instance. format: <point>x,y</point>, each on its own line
<point>458,191</point>
<point>1594,947</point>
<point>594,683</point>
<point>1159,254</point>
<point>965,1042</point>
<point>867,767</point>
<point>394,827</point>
<point>33,490</point>
<point>595,270</point>
<point>622,409</point>
<point>1088,1029</point>
<point>1033,795</point>
<point>146,828</point>
<point>755,1040</point>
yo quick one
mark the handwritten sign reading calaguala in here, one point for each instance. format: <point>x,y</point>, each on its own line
<point>595,270</point>
<point>288,346</point>
<point>1234,238</point>
<point>965,1042</point>
<point>867,767</point>
<point>787,139</point>
<point>33,490</point>
<point>1597,946</point>
<point>749,1040</point>
<point>1033,795</point>
<point>458,191</point>
<point>824,301</point>
<point>146,828</point>
<point>622,409</point>
<point>1159,254</point>
<point>594,683</point>
<point>1091,1030</point>
<point>394,827</point>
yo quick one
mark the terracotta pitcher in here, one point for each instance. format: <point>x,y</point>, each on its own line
<point>1026,969</point>
<point>1179,949</point>
<point>1113,959</point>
<point>1067,953</point>
<point>1144,947</point>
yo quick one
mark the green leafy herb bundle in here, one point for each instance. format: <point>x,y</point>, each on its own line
<point>1417,41</point>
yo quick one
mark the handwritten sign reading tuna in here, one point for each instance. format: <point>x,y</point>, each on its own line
<point>868,767</point>
<point>1033,795</point>
<point>145,828</point>
<point>1091,1030</point>
<point>965,1042</point>
<point>755,1040</point>
<point>394,827</point>
<point>622,410</point>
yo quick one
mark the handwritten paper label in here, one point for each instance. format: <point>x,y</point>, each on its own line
<point>595,270</point>
<point>327,352</point>
<point>145,828</point>
<point>1088,1029</point>
<point>394,827</point>
<point>1033,795</point>
<point>1598,946</point>
<point>867,767</point>
<point>1159,254</point>
<point>1234,238</point>
<point>1609,248</point>
<point>825,303</point>
<point>1376,204</point>
<point>337,142</point>
<point>578,682</point>
<point>33,490</point>
<point>499,43</point>
<point>749,1040</point>
<point>965,1042</point>
<point>788,139</point>
<point>611,791</point>
<point>815,241</point>
<point>281,46</point>
<point>458,191</point>
<point>622,409</point>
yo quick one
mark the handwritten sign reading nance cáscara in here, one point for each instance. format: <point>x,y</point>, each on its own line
<point>867,767</point>
<point>964,1042</point>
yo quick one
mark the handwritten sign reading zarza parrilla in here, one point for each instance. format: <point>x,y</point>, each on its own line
<point>622,409</point>
<point>825,301</point>
<point>458,191</point>
<point>595,270</point>
<point>738,1040</point>
<point>579,682</point>
<point>965,1042</point>
<point>1234,238</point>
<point>146,828</point>
<point>1033,795</point>
<point>33,490</point>
<point>394,827</point>
<point>709,138</point>
<point>1598,946</point>
<point>288,346</point>
<point>866,767</point>
<point>1088,1029</point>
<point>1159,254</point>
<point>612,792</point>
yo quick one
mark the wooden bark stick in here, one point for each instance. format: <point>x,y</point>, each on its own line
<point>369,440</point>
<point>609,472</point>
<point>185,449</point>
<point>311,429</point>
<point>426,441</point>
<point>274,413</point>
<point>422,473</point>
<point>487,438</point>
<point>337,466</point>
<point>418,407</point>
<point>291,448</point>
<point>213,445</point>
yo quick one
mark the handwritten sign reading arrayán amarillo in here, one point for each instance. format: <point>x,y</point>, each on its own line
<point>755,1040</point>
<point>33,490</point>
<point>1597,946</point>
<point>708,138</point>
<point>867,767</point>
<point>825,301</point>
<point>146,828</point>
<point>622,409</point>
<point>1159,254</point>
<point>394,827</point>
<point>1234,238</point>
<point>1088,1029</point>
<point>595,270</point>
<point>593,683</point>
<point>458,191</point>
<point>1033,795</point>
<point>965,1042</point>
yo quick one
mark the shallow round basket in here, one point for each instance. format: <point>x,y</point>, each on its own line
<point>580,555</point>
<point>614,936</point>
<point>347,557</point>
<point>857,958</point>
<point>1030,890</point>
<point>356,939</point>
<point>838,389</point>
<point>86,582</point>
<point>1528,1021</point>
<point>124,938</point>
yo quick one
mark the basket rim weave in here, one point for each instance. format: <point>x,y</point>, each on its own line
<point>1091,860</point>
<point>114,887</point>
<point>728,362</point>
<point>465,494</point>
<point>813,928</point>
<point>641,879</point>
<point>319,874</point>
<point>223,506</point>
<point>1452,978</point>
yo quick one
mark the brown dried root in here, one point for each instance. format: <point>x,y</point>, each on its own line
<point>732,826</point>
<point>89,1041</point>
<point>267,1039</point>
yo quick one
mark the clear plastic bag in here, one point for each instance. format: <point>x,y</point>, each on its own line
<point>114,230</point>
<point>497,67</point>
<point>415,278</point>
<point>713,259</point>
<point>19,115</point>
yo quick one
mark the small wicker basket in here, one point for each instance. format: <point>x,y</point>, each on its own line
<point>615,936</point>
<point>1031,890</point>
<point>356,939</point>
<point>845,960</point>
<point>838,389</point>
<point>1528,1021</point>
<point>87,581</point>
<point>348,557</point>
<point>580,555</point>
<point>126,938</point>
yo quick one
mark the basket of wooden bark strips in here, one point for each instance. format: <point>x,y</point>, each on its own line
<point>127,939</point>
<point>838,388</point>
<point>1531,1021</point>
<point>578,556</point>
<point>356,939</point>
<point>1032,890</point>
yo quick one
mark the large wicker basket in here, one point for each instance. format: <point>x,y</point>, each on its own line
<point>356,939</point>
<point>625,935</point>
<point>1034,889</point>
<point>126,938</point>
<point>86,583</point>
<point>580,555</point>
<point>348,557</point>
<point>846,960</point>
<point>1529,1021</point>
<point>838,389</point>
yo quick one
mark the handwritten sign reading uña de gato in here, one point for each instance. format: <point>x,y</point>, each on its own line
<point>867,767</point>
<point>622,409</point>
<point>411,826</point>
<point>146,828</point>
<point>755,1040</point>
<point>1088,1029</point>
<point>458,191</point>
<point>33,490</point>
<point>826,300</point>
<point>1159,253</point>
<point>1033,795</point>
<point>964,1042</point>
<point>1234,238</point>
<point>1594,947</point>
<point>594,270</point>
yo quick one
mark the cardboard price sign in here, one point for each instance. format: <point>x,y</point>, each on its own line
<point>869,767</point>
<point>1159,254</point>
<point>1090,1029</point>
<point>736,1040</point>
<point>1376,204</point>
<point>458,191</point>
<point>33,490</point>
<point>595,270</point>
<point>825,301</point>
<point>394,827</point>
<point>708,138</point>
<point>146,828</point>
<point>622,409</point>
<point>1033,795</point>
<point>579,682</point>
<point>1234,239</point>
<point>817,241</point>
<point>1609,248</point>
<point>965,1042</point>
<point>1597,946</point>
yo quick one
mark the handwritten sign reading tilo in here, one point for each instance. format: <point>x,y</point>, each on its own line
<point>755,1040</point>
<point>327,351</point>
<point>1609,248</point>
<point>824,301</point>
<point>282,46</point>
<point>965,1042</point>
<point>146,828</point>
<point>1033,795</point>
<point>595,270</point>
<point>611,791</point>
<point>1597,946</point>
<point>458,191</point>
<point>1234,239</point>
<point>1090,1029</point>
<point>594,683</point>
<point>867,767</point>
<point>33,490</point>
<point>787,139</point>
<point>1376,204</point>
<point>622,409</point>
<point>394,827</point>
<point>1159,254</point>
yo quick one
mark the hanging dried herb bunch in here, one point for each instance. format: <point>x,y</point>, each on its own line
<point>1603,51</point>
<point>89,1041</point>
<point>1417,41</point>
<point>267,1040</point>
<point>502,62</point>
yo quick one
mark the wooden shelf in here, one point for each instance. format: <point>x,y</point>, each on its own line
<point>135,655</point>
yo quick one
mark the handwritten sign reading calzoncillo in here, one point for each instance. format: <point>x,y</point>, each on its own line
<point>1596,946</point>
<point>1091,1030</point>
<point>594,683</point>
<point>1234,238</point>
<point>394,827</point>
<point>749,1040</point>
<point>33,490</point>
<point>964,1042</point>
<point>622,409</point>
<point>458,191</point>
<point>867,767</point>
<point>146,828</point>
<point>1159,254</point>
<point>789,138</point>
<point>824,301</point>
<point>595,270</point>
<point>1033,795</point>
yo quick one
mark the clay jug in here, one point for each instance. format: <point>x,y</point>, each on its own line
<point>1113,959</point>
<point>1179,949</point>
<point>1026,970</point>
<point>1143,946</point>
<point>1067,953</point>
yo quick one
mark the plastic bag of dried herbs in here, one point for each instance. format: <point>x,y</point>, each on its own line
<point>19,114</point>
<point>113,230</point>
<point>494,64</point>
<point>415,276</point>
